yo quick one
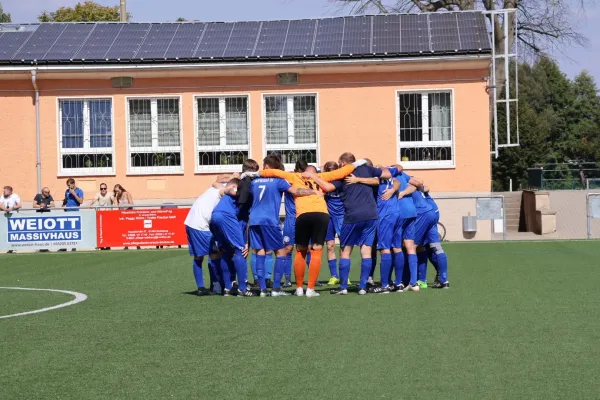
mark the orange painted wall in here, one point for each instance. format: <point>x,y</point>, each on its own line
<point>357,113</point>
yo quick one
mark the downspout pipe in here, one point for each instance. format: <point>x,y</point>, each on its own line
<point>38,157</point>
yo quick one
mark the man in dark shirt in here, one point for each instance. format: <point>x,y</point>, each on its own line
<point>43,201</point>
<point>360,222</point>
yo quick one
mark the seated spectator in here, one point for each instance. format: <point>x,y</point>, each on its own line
<point>43,201</point>
<point>9,202</point>
<point>103,199</point>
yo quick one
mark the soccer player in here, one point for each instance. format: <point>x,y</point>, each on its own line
<point>312,220</point>
<point>434,250</point>
<point>244,202</point>
<point>336,220</point>
<point>360,222</point>
<point>200,240</point>
<point>407,213</point>
<point>225,228</point>
<point>265,233</point>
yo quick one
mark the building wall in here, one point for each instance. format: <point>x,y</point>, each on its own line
<point>356,113</point>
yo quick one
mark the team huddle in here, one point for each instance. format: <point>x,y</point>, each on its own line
<point>364,206</point>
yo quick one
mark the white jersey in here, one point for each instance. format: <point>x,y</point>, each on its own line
<point>10,201</point>
<point>201,212</point>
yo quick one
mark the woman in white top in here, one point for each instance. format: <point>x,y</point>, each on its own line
<point>123,198</point>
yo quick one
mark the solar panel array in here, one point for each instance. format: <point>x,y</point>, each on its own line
<point>359,36</point>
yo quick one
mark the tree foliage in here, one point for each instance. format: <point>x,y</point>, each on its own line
<point>559,122</point>
<point>88,11</point>
<point>4,17</point>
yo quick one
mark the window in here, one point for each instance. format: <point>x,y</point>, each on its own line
<point>154,136</point>
<point>85,135</point>
<point>291,127</point>
<point>425,129</point>
<point>222,133</point>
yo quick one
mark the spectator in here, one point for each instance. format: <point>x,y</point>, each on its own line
<point>9,202</point>
<point>73,199</point>
<point>123,198</point>
<point>43,201</point>
<point>103,199</point>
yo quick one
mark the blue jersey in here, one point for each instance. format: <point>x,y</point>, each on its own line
<point>358,199</point>
<point>290,205</point>
<point>421,203</point>
<point>227,205</point>
<point>334,204</point>
<point>266,194</point>
<point>71,201</point>
<point>431,201</point>
<point>406,205</point>
<point>386,207</point>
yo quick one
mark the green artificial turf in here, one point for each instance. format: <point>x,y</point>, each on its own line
<point>521,321</point>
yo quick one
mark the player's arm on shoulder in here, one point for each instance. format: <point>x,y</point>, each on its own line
<point>337,174</point>
<point>351,180</point>
<point>416,181</point>
<point>301,192</point>
<point>277,173</point>
<point>385,173</point>
<point>410,189</point>
<point>322,183</point>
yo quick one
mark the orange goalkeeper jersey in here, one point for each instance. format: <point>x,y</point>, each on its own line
<point>312,203</point>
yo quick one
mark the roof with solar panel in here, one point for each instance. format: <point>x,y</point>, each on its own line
<point>358,37</point>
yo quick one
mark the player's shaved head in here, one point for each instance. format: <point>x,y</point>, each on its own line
<point>346,158</point>
<point>250,166</point>
<point>233,182</point>
<point>369,162</point>
<point>330,166</point>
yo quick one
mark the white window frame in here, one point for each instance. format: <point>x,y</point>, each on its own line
<point>155,148</point>
<point>223,146</point>
<point>86,149</point>
<point>425,127</point>
<point>290,128</point>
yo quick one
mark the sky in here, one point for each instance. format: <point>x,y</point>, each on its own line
<point>573,61</point>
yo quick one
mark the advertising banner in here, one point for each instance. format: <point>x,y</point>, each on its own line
<point>141,227</point>
<point>47,231</point>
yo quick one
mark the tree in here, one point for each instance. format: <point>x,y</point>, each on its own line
<point>88,11</point>
<point>4,17</point>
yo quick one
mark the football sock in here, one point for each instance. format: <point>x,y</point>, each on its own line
<point>278,272</point>
<point>442,260</point>
<point>398,267</point>
<point>365,270</point>
<point>344,272</point>
<point>299,267</point>
<point>222,265</point>
<point>253,266</point>
<point>422,266</point>
<point>260,271</point>
<point>287,270</point>
<point>373,263</point>
<point>197,267</point>
<point>333,268</point>
<point>269,266</point>
<point>314,268</point>
<point>241,266</point>
<point>433,258</point>
<point>412,265</point>
<point>385,268</point>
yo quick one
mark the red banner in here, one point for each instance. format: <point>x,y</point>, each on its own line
<point>141,227</point>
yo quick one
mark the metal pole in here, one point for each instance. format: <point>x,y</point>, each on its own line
<point>38,156</point>
<point>510,185</point>
<point>123,11</point>
<point>503,220</point>
<point>587,215</point>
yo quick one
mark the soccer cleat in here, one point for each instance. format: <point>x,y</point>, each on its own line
<point>247,293</point>
<point>318,284</point>
<point>333,281</point>
<point>422,285</point>
<point>349,283</point>
<point>379,289</point>
<point>226,292</point>
<point>339,291</point>
<point>362,292</point>
<point>437,279</point>
<point>253,286</point>
<point>203,292</point>
<point>264,293</point>
<point>287,284</point>
<point>279,293</point>
<point>299,292</point>
<point>370,281</point>
<point>398,288</point>
<point>412,288</point>
<point>440,285</point>
<point>312,293</point>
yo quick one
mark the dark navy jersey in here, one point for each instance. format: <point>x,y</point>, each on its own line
<point>358,199</point>
<point>244,199</point>
<point>266,193</point>
<point>227,205</point>
<point>406,205</point>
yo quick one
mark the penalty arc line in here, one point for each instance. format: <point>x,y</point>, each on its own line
<point>79,297</point>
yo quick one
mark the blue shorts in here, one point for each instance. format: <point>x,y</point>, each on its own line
<point>358,234</point>
<point>200,243</point>
<point>423,224</point>
<point>334,227</point>
<point>389,232</point>
<point>227,231</point>
<point>407,229</point>
<point>289,230</point>
<point>266,237</point>
<point>433,235</point>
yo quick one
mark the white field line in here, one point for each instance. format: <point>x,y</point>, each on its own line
<point>79,297</point>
